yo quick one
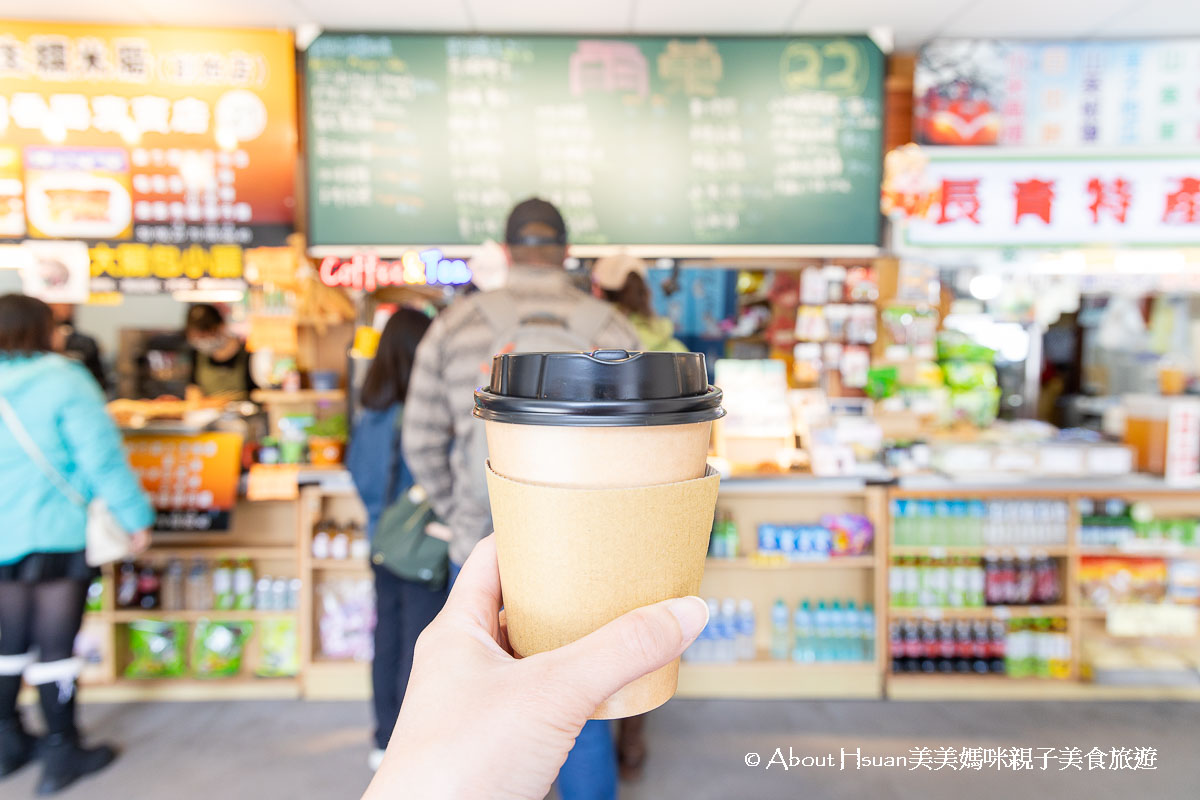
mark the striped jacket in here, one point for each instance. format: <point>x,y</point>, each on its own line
<point>453,359</point>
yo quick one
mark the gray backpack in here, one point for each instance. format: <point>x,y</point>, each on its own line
<point>534,333</point>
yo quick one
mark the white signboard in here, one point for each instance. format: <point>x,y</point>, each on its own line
<point>984,197</point>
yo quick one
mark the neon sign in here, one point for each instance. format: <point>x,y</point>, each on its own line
<point>369,272</point>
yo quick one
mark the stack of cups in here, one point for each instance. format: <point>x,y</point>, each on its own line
<point>601,497</point>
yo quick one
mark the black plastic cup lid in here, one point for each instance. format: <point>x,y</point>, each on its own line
<point>604,388</point>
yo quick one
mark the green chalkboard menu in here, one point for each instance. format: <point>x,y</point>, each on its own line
<point>416,139</point>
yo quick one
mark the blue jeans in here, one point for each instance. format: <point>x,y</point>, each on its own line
<point>590,771</point>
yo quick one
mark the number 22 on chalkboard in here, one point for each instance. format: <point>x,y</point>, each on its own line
<point>803,66</point>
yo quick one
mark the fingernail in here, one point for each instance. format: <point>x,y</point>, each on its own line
<point>691,613</point>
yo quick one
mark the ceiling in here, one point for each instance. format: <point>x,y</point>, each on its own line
<point>911,22</point>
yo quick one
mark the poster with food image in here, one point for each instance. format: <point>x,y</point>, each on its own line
<point>57,272</point>
<point>204,120</point>
<point>12,194</point>
<point>78,193</point>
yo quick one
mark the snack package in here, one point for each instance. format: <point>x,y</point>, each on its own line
<point>156,649</point>
<point>347,618</point>
<point>279,649</point>
<point>852,533</point>
<point>217,648</point>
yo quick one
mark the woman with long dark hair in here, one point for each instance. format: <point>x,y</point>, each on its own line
<point>59,450</point>
<point>375,462</point>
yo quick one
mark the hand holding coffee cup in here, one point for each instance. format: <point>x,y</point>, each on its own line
<point>600,493</point>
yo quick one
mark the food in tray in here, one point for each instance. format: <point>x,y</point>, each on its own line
<point>78,205</point>
<point>136,413</point>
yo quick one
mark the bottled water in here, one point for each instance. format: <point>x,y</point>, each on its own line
<point>727,651</point>
<point>745,630</point>
<point>867,632</point>
<point>821,633</point>
<point>802,651</point>
<point>779,630</point>
<point>849,648</point>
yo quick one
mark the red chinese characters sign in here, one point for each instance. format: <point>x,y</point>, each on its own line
<point>177,139</point>
<point>1032,201</point>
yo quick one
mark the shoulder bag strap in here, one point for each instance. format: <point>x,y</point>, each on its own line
<point>21,434</point>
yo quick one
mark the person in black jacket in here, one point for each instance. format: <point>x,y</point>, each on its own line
<point>79,346</point>
<point>403,608</point>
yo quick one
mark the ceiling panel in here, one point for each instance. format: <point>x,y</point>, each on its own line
<point>222,13</point>
<point>1152,18</point>
<point>74,11</point>
<point>396,15</point>
<point>539,16</point>
<point>714,18</point>
<point>1033,19</point>
<point>912,22</point>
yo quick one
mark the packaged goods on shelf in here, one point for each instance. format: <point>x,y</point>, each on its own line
<point>229,585</point>
<point>347,618</point>
<point>156,649</point>
<point>821,631</point>
<point>279,649</point>
<point>1107,581</point>
<point>1032,459</point>
<point>217,648</point>
<point>837,535</point>
<point>1020,648</point>
<point>729,634</point>
<point>975,523</point>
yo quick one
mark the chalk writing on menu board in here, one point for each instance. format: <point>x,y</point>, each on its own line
<point>430,140</point>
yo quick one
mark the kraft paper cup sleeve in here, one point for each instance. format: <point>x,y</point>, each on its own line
<point>572,560</point>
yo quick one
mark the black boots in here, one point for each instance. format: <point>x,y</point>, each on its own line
<point>65,761</point>
<point>16,746</point>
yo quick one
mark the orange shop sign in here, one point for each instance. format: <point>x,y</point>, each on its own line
<point>168,136</point>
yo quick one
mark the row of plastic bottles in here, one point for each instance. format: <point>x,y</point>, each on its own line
<point>729,634</point>
<point>828,632</point>
<point>979,523</point>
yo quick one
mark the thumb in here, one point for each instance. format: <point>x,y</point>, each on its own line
<point>627,648</point>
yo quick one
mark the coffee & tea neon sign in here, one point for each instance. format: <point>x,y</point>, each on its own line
<point>369,272</point>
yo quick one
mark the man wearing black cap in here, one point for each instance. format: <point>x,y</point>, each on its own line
<point>444,445</point>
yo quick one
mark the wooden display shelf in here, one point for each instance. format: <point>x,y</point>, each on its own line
<point>993,612</point>
<point>239,687</point>
<point>220,552</point>
<point>341,565</point>
<point>1003,551</point>
<point>841,562</point>
<point>212,615</point>
<point>1192,553</point>
<point>329,679</point>
<point>300,397</point>
<point>1001,687</point>
<point>765,678</point>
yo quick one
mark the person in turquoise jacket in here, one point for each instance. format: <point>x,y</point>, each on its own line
<point>44,575</point>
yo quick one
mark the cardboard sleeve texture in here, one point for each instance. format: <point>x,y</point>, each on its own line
<point>572,560</point>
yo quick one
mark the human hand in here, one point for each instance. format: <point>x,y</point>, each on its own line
<point>438,530</point>
<point>477,722</point>
<point>139,542</point>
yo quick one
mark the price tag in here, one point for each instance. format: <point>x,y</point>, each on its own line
<point>937,552</point>
<point>1035,611</point>
<point>1001,612</point>
<point>273,482</point>
<point>1162,619</point>
<point>1023,552</point>
<point>933,613</point>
